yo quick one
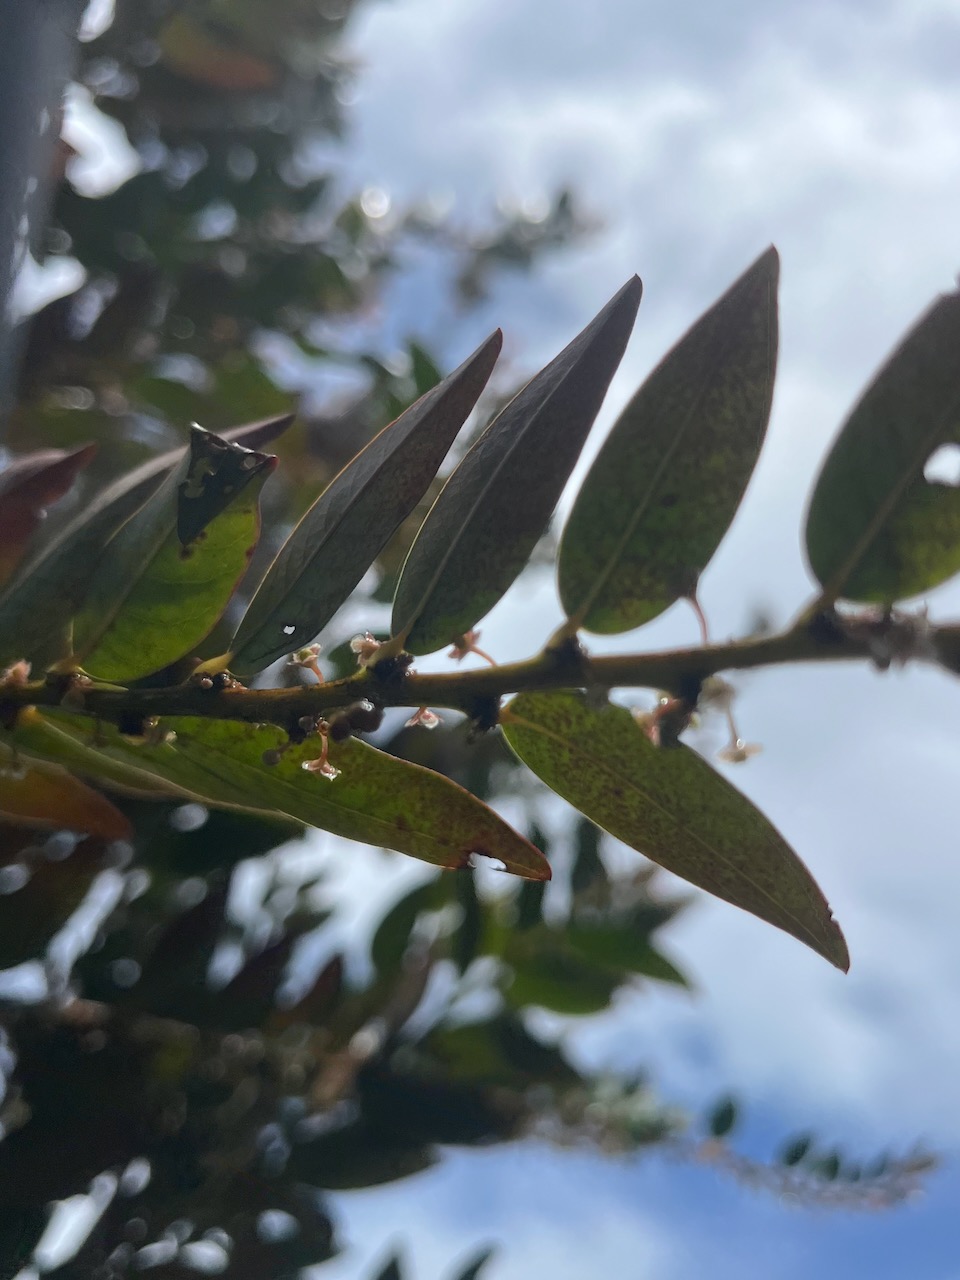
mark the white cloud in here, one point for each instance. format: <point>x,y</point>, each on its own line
<point>702,133</point>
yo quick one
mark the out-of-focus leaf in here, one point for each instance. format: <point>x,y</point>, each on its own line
<point>36,608</point>
<point>154,599</point>
<point>476,1264</point>
<point>468,938</point>
<point>176,842</point>
<point>15,841</point>
<point>500,1051</point>
<point>588,869</point>
<point>31,915</point>
<point>796,1150</point>
<point>391,1271</point>
<point>423,369</point>
<point>486,521</point>
<point>316,1005</point>
<point>190,50</point>
<point>722,1118</point>
<point>377,799</point>
<point>342,534</point>
<point>432,1108</point>
<point>530,904</point>
<point>357,1156</point>
<point>173,981</point>
<point>20,1232</point>
<point>46,795</point>
<point>827,1167</point>
<point>250,995</point>
<point>28,486</point>
<point>877,530</point>
<point>392,936</point>
<point>669,479</point>
<point>622,945</point>
<point>668,804</point>
<point>547,971</point>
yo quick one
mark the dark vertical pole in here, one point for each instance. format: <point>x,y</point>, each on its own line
<point>38,42</point>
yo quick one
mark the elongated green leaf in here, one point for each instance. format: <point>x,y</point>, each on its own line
<point>344,531</point>
<point>37,738</point>
<point>36,608</point>
<point>668,804</point>
<point>877,530</point>
<point>377,799</point>
<point>486,521</point>
<point>670,477</point>
<point>153,599</point>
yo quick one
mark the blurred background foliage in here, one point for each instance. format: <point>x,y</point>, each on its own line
<point>182,1043</point>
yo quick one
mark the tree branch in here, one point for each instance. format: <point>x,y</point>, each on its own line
<point>883,637</point>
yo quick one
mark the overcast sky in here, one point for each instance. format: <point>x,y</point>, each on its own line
<point>701,133</point>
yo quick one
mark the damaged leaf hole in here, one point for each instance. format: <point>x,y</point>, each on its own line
<point>478,859</point>
<point>943,466</point>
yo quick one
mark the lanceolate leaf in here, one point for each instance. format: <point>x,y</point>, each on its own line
<point>46,795</point>
<point>36,609</point>
<point>377,799</point>
<point>668,804</point>
<point>28,486</point>
<point>483,526</point>
<point>669,479</point>
<point>877,530</point>
<point>39,738</point>
<point>346,528</point>
<point>153,599</point>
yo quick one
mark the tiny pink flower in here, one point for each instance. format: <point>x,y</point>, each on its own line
<point>365,646</point>
<point>424,717</point>
<point>321,766</point>
<point>17,675</point>
<point>307,658</point>
<point>737,751</point>
<point>322,763</point>
<point>467,643</point>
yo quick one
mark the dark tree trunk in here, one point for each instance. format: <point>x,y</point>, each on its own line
<point>38,40</point>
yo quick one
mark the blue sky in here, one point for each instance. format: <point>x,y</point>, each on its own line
<point>700,134</point>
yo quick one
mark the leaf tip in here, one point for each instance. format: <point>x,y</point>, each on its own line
<point>769,261</point>
<point>633,289</point>
<point>838,955</point>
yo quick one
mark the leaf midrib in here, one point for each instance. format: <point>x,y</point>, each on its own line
<point>885,510</point>
<point>622,779</point>
<point>456,540</point>
<point>603,578</point>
